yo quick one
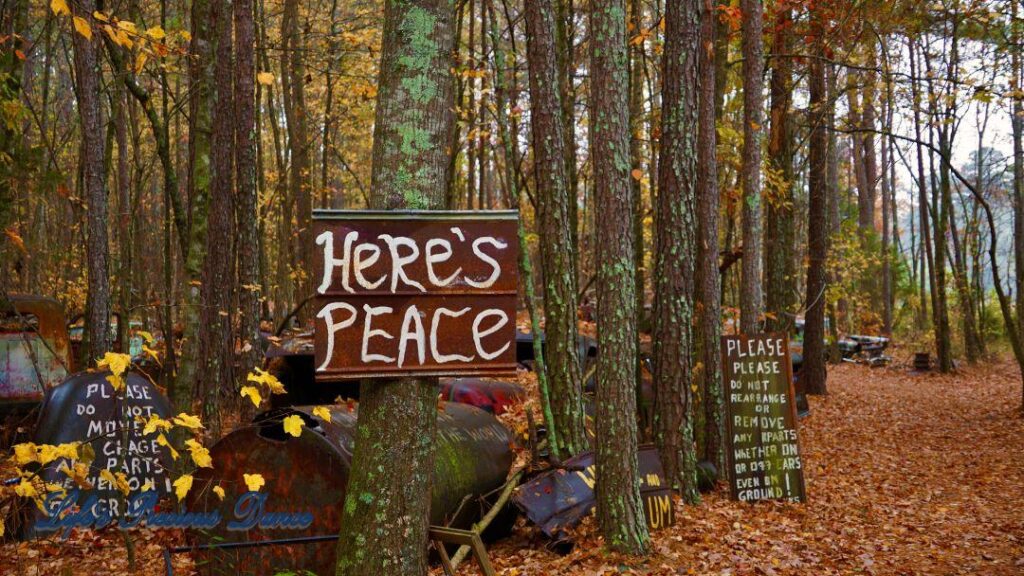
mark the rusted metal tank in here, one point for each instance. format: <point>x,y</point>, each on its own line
<point>308,475</point>
<point>34,350</point>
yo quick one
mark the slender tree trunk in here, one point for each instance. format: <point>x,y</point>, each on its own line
<point>814,373</point>
<point>418,44</point>
<point>300,169</point>
<point>619,508</point>
<point>636,159</point>
<point>753,63</point>
<point>216,355</point>
<point>708,294</point>
<point>779,224</point>
<point>87,74</point>
<point>925,227</point>
<point>556,247</point>
<point>247,211</point>
<point>565,40</point>
<point>675,231</point>
<point>201,90</point>
<point>1017,124</point>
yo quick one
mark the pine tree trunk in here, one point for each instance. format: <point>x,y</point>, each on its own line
<point>300,170</point>
<point>247,212</point>
<point>201,90</point>
<point>674,231</point>
<point>779,224</point>
<point>619,509</point>
<point>753,63</point>
<point>385,517</point>
<point>87,75</point>
<point>1017,124</point>
<point>556,246</point>
<point>814,374</point>
<point>215,378</point>
<point>708,297</point>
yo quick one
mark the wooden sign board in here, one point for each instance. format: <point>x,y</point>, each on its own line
<point>764,456</point>
<point>415,293</point>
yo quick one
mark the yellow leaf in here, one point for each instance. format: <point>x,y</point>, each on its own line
<point>188,421</point>
<point>148,337</point>
<point>267,379</point>
<point>185,35</point>
<point>115,362</point>
<point>323,413</point>
<point>293,425</point>
<point>156,33</point>
<point>100,16</point>
<point>25,489</point>
<point>200,455</point>
<point>116,382</point>
<point>219,492</point>
<point>140,62</point>
<point>2,528</point>
<point>155,423</point>
<point>59,7</point>
<point>253,394</point>
<point>637,174</point>
<point>25,453</point>
<point>82,27</point>
<point>182,486</point>
<point>265,78</point>
<point>162,440</point>
<point>15,239</point>
<point>148,485</point>
<point>253,481</point>
<point>127,25</point>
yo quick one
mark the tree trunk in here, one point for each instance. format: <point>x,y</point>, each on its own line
<point>216,356</point>
<point>674,231</point>
<point>779,233</point>
<point>385,517</point>
<point>247,212</point>
<point>814,374</point>
<point>556,246</point>
<point>753,63</point>
<point>301,170</point>
<point>619,508</point>
<point>201,89</point>
<point>1017,123</point>
<point>708,297</point>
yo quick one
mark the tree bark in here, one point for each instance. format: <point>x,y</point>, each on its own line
<point>556,246</point>
<point>300,170</point>
<point>813,378</point>
<point>247,212</point>
<point>385,517</point>
<point>619,508</point>
<point>779,224</point>
<point>87,73</point>
<point>753,63</point>
<point>708,296</point>
<point>674,231</point>
<point>216,354</point>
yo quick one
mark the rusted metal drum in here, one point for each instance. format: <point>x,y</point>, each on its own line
<point>307,475</point>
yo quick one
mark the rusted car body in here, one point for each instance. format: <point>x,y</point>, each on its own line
<point>35,354</point>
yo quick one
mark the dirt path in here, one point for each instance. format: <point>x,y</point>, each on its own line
<point>906,474</point>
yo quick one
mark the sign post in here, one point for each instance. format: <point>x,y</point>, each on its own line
<point>415,293</point>
<point>764,456</point>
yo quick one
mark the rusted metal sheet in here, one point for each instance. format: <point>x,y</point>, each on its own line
<point>34,350</point>
<point>310,474</point>
<point>761,422</point>
<point>558,499</point>
<point>494,396</point>
<point>415,293</point>
<point>85,408</point>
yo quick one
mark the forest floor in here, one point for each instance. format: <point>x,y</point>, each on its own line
<point>906,474</point>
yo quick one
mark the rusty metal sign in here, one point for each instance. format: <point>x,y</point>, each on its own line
<point>764,456</point>
<point>416,293</point>
<point>558,499</point>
